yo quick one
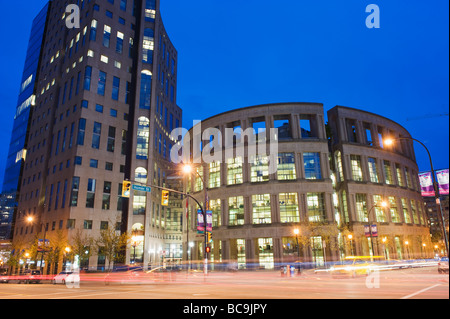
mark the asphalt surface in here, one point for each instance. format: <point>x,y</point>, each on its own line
<point>417,283</point>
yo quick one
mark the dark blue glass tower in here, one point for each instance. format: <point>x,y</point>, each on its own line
<point>17,147</point>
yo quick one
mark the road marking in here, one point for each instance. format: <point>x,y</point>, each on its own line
<point>419,292</point>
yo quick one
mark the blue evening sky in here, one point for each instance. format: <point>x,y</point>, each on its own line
<point>237,53</point>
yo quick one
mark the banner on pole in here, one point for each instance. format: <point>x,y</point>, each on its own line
<point>442,179</point>
<point>201,222</point>
<point>426,184</point>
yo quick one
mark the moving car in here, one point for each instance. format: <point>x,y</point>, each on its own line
<point>66,277</point>
<point>443,265</point>
<point>354,266</point>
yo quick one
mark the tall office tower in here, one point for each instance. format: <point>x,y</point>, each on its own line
<point>18,144</point>
<point>104,109</point>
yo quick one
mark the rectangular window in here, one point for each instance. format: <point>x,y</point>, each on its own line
<point>236,211</point>
<point>198,184</point>
<point>289,208</point>
<point>87,78</point>
<point>214,175</point>
<point>311,162</point>
<point>361,208</point>
<point>388,172</point>
<point>316,207</point>
<point>405,209</point>
<point>307,126</point>
<point>393,209</point>
<point>259,128</point>
<point>115,89</point>
<point>261,209</point>
<point>81,131</point>
<point>106,201</point>
<point>90,194</point>
<point>380,214</point>
<point>111,139</point>
<point>96,135</point>
<point>106,36</point>
<point>398,171</point>
<point>286,167</point>
<point>357,174</point>
<point>281,122</point>
<point>373,171</point>
<point>87,224</point>
<point>101,83</point>
<point>234,171</point>
<point>215,207</point>
<point>74,191</point>
<point>414,212</point>
<point>93,32</point>
<point>259,171</point>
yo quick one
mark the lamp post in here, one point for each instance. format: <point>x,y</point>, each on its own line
<point>383,204</point>
<point>389,142</point>
<point>407,248</point>
<point>30,219</point>
<point>188,169</point>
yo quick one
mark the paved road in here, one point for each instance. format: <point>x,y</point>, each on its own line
<point>419,283</point>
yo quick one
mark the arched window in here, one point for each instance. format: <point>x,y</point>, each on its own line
<point>143,133</point>
<point>140,175</point>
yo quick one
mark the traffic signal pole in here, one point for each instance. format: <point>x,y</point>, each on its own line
<point>199,205</point>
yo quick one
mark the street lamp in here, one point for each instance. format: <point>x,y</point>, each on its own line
<point>187,170</point>
<point>382,204</point>
<point>30,219</point>
<point>390,142</point>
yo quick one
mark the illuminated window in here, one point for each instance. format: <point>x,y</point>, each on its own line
<point>288,208</point>
<point>150,10</point>
<point>259,171</point>
<point>286,167</point>
<point>214,206</point>
<point>198,183</point>
<point>414,212</point>
<point>405,209</point>
<point>356,168</point>
<point>361,208</point>
<point>400,180</point>
<point>143,134</point>
<point>261,209</point>
<point>379,210</point>
<point>236,211</point>
<point>316,207</point>
<point>265,253</point>
<point>388,172</point>
<point>148,46</point>
<point>214,175</point>
<point>234,171</point>
<point>340,171</point>
<point>393,209</point>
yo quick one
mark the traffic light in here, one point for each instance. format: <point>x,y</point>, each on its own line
<point>165,198</point>
<point>209,235</point>
<point>126,189</point>
<point>208,249</point>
